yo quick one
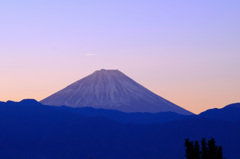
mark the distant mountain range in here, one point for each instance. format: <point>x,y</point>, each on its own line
<point>111,89</point>
<point>32,130</point>
<point>228,113</point>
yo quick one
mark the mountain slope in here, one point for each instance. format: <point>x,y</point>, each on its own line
<point>111,89</point>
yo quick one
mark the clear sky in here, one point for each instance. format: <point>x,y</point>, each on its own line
<point>183,50</point>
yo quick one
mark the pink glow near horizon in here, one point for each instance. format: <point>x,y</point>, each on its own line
<point>186,52</point>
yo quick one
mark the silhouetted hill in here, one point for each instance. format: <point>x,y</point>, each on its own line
<point>136,118</point>
<point>30,130</point>
<point>229,113</point>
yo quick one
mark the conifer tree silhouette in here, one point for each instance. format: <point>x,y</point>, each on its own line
<point>208,150</point>
<point>212,149</point>
<point>189,149</point>
<point>196,150</point>
<point>204,149</point>
<point>219,152</point>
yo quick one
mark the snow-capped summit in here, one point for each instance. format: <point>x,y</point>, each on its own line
<point>111,89</point>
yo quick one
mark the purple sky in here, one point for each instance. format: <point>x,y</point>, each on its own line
<point>185,51</point>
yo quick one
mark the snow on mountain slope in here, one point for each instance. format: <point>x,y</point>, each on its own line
<point>111,89</point>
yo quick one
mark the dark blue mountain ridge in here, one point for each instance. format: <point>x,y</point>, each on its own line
<point>123,117</point>
<point>228,113</point>
<point>24,102</point>
<point>32,130</point>
<point>37,131</point>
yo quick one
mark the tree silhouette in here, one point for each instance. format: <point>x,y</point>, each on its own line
<point>204,149</point>
<point>212,149</point>
<point>189,149</point>
<point>219,152</point>
<point>196,150</point>
<point>208,150</point>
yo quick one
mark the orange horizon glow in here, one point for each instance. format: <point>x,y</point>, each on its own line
<point>182,95</point>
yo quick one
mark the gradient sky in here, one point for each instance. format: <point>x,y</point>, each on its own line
<point>185,51</point>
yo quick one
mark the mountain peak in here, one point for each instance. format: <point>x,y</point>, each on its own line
<point>111,89</point>
<point>108,70</point>
<point>104,71</point>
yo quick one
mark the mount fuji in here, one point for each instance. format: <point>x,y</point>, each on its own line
<point>111,89</point>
